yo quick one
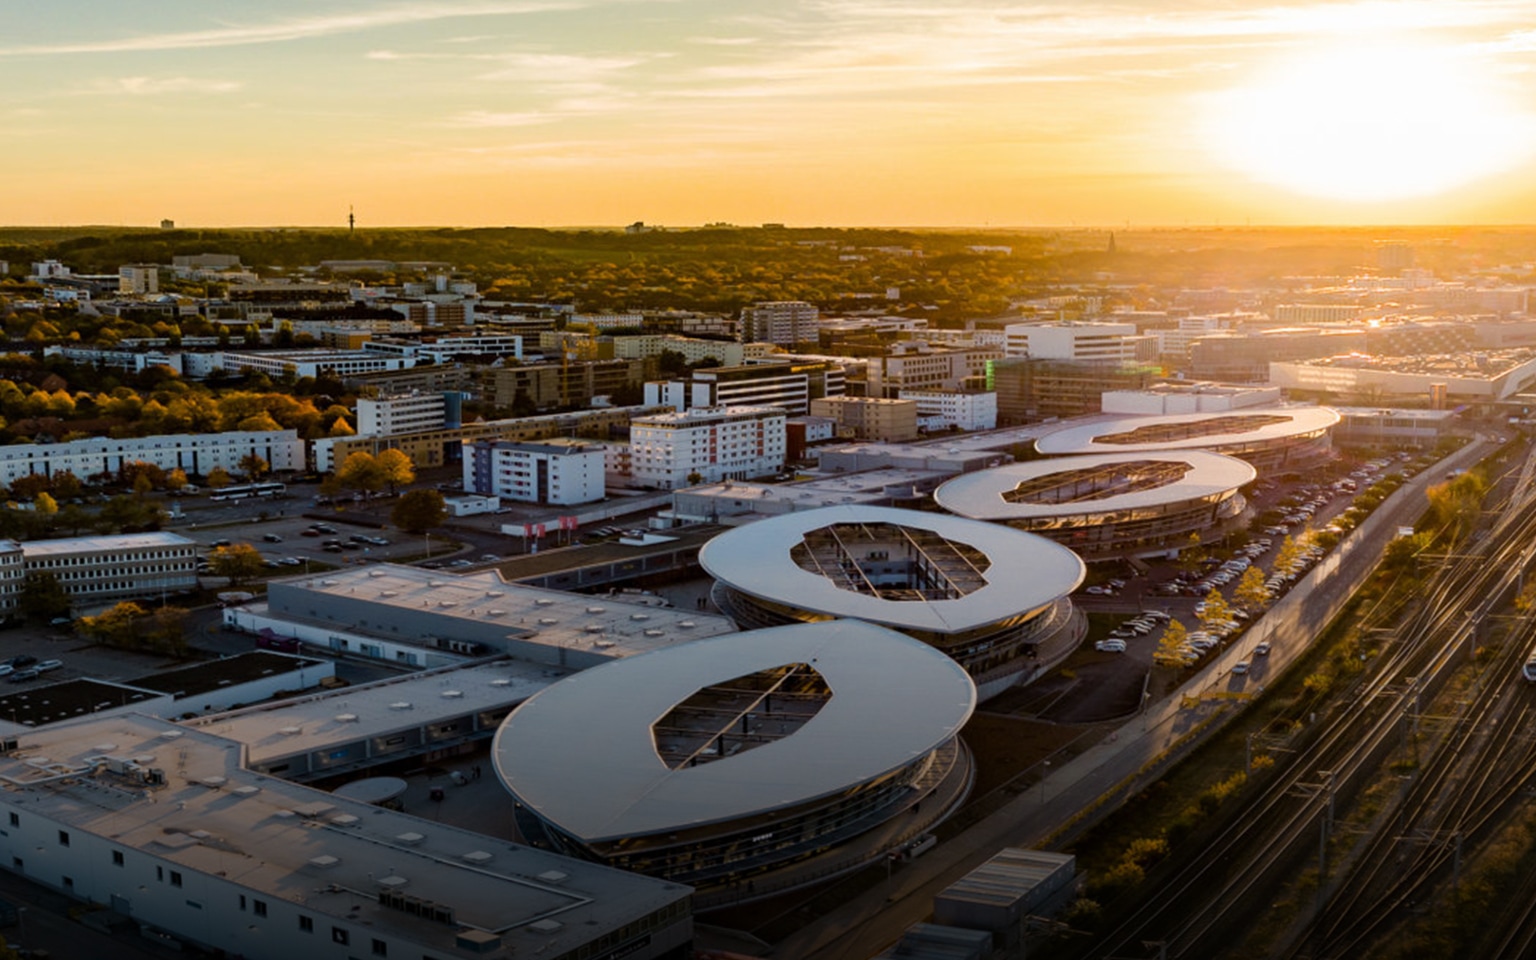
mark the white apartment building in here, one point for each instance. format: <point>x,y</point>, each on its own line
<point>728,352</point>
<point>782,322</point>
<point>117,359</point>
<point>964,409</point>
<point>915,365</point>
<point>706,445</point>
<point>401,414</point>
<point>1096,342</point>
<point>195,453</point>
<point>314,363</point>
<point>791,386</point>
<point>557,472</point>
<point>444,349</point>
<point>138,278</point>
<point>99,570</point>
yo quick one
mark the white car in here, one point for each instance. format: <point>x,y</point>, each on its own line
<point>1110,646</point>
<point>1240,668</point>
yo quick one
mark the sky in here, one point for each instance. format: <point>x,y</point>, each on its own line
<point>811,113</point>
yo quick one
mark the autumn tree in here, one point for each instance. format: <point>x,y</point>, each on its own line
<point>1251,593</point>
<point>117,627</point>
<point>239,562</point>
<point>419,511</point>
<point>218,477</point>
<point>1217,611</point>
<point>1170,647</point>
<point>29,486</point>
<point>176,479</point>
<point>253,466</point>
<point>66,485</point>
<point>396,468</point>
<point>361,471</point>
<point>1193,554</point>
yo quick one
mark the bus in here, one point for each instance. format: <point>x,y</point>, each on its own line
<point>245,491</point>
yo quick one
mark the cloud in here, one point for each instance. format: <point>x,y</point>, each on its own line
<point>151,86</point>
<point>300,28</point>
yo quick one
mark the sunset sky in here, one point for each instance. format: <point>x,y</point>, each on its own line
<point>825,112</point>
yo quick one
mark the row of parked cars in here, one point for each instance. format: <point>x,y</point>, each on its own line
<point>24,667</point>
<point>1138,626</point>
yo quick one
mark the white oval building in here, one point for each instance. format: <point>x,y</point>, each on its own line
<point>993,598</point>
<point>1273,439</point>
<point>1108,505</point>
<point>732,760</point>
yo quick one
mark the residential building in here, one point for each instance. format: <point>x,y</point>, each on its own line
<point>954,409</point>
<point>1094,342</point>
<point>138,279</point>
<point>565,384</point>
<point>314,363</point>
<point>915,365</point>
<point>706,445</point>
<point>558,472</point>
<point>195,453</point>
<point>728,352</point>
<point>791,386</point>
<point>433,448</point>
<point>408,413</point>
<point>1030,390</point>
<point>870,418</point>
<point>785,322</point>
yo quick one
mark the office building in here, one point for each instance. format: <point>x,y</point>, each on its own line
<point>706,445</point>
<point>557,472</point>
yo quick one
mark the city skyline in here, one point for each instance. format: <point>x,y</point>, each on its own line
<point>837,112</point>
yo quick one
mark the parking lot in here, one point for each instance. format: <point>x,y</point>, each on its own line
<point>1131,605</point>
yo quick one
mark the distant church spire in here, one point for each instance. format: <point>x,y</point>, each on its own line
<point>1111,242</point>
<point>352,224</point>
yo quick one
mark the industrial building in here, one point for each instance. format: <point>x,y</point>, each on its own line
<point>955,584</point>
<point>734,759</point>
<point>164,825</point>
<point>1113,505</point>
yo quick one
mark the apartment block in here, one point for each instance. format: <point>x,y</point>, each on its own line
<point>784,322</point>
<point>559,472</point>
<point>870,418</point>
<point>790,386</point>
<point>406,413</point>
<point>706,445</point>
<point>1092,342</point>
<point>915,365</point>
<point>195,453</point>
<point>957,409</point>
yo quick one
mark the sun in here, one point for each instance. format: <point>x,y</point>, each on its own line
<point>1370,122</point>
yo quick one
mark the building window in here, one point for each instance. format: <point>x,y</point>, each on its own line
<point>63,838</point>
<point>338,935</point>
<point>69,883</point>
<point>117,858</point>
<point>15,819</point>
<point>175,878</point>
<point>259,907</point>
<point>380,948</point>
<point>306,924</point>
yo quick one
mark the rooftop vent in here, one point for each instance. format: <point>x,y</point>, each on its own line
<point>548,621</point>
<point>290,731</point>
<point>452,694</point>
<point>594,628</point>
<point>392,882</point>
<point>389,593</point>
<point>477,857</point>
<point>544,601</point>
<point>170,735</point>
<point>409,839</point>
<point>344,820</point>
<point>346,718</point>
<point>435,583</point>
<point>329,583</point>
<point>400,705</point>
<point>655,632</point>
<point>376,573</point>
<point>104,747</point>
<point>501,682</point>
<point>595,609</point>
<point>283,814</point>
<point>495,593</point>
<point>324,862</point>
<point>448,603</point>
<point>639,616</point>
<point>214,782</point>
<point>546,926</point>
<point>246,791</point>
<point>553,876</point>
<point>687,624</point>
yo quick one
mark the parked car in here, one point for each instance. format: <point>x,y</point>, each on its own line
<point>271,538</point>
<point>1110,646</point>
<point>1262,650</point>
<point>22,676</point>
<point>21,660</point>
<point>47,665</point>
<point>1240,668</point>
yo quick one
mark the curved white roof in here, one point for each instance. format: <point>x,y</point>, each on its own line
<point>581,753</point>
<point>1026,571</point>
<point>1085,438</point>
<point>979,495</point>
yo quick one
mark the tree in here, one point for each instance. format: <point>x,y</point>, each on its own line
<point>1287,555</point>
<point>176,479</point>
<point>360,471</point>
<point>45,505</point>
<point>1217,610</point>
<point>253,466</point>
<point>218,477</point>
<point>66,485</point>
<point>167,629</point>
<point>118,627</point>
<point>42,597</point>
<point>396,468</point>
<point>239,562</point>
<point>1170,649</point>
<point>1192,555</point>
<point>1251,592</point>
<point>419,511</point>
<point>29,486</point>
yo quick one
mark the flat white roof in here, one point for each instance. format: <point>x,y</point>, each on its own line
<point>323,853</point>
<point>552,618</point>
<point>582,753</point>
<point>980,495</point>
<point>1025,571</point>
<point>345,715</point>
<point>126,541</point>
<point>1085,438</point>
